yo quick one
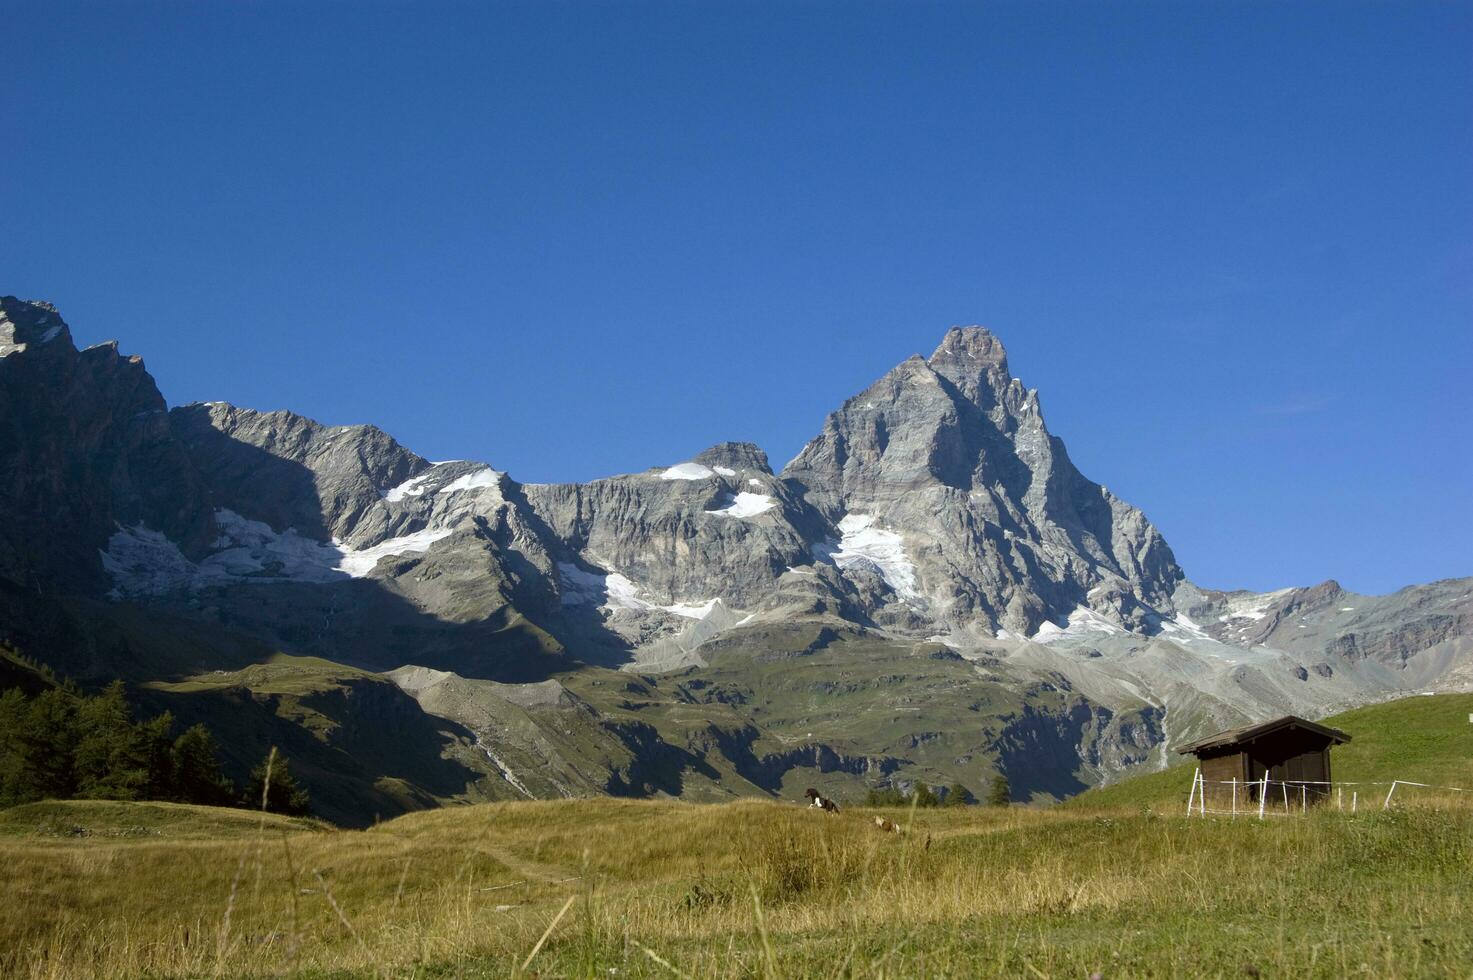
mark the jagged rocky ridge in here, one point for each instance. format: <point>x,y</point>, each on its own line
<point>933,514</point>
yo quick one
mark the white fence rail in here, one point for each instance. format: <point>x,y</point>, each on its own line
<point>1260,798</point>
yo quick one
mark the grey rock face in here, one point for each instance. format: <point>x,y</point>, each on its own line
<point>85,447</point>
<point>688,533</point>
<point>952,454</point>
<point>290,471</point>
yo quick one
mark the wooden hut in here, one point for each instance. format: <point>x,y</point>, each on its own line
<point>1293,752</point>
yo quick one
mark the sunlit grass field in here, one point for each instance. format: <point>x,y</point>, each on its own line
<point>661,888</point>
<point>1118,882</point>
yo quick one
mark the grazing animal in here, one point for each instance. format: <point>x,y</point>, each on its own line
<point>888,826</point>
<point>823,804</point>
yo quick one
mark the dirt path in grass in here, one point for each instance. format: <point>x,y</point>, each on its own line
<point>533,871</point>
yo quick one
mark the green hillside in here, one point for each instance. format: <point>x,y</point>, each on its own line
<point>114,818</point>
<point>1427,739</point>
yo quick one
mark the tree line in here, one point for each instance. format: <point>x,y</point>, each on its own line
<point>65,744</point>
<point>998,794</point>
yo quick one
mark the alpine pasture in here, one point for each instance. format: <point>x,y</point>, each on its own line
<point>1115,885</point>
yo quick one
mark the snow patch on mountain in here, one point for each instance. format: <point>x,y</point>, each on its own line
<point>417,486</point>
<point>621,593</point>
<point>252,549</point>
<point>359,563</point>
<point>744,504</point>
<point>688,471</point>
<point>1082,621</point>
<point>861,543</point>
<point>142,561</point>
<point>1183,627</point>
<point>580,587</point>
<point>1252,606</point>
<point>609,590</point>
<point>614,591</point>
<point>412,487</point>
<point>692,610</point>
<point>475,480</point>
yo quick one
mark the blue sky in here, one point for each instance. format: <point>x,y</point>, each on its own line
<point>1231,244</point>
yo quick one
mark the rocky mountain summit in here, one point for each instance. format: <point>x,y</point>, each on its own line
<point>930,590</point>
<point>1001,533</point>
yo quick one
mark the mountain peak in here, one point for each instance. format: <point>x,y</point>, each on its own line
<point>14,303</point>
<point>973,359</point>
<point>741,455</point>
<point>971,344</point>
<point>29,323</point>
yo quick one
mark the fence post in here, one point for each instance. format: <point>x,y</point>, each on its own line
<point>1263,794</point>
<point>1192,796</point>
<point>1340,798</point>
<point>1284,785</point>
<point>1388,794</point>
<point>1303,798</point>
<point>1235,797</point>
<point>1202,796</point>
<point>1354,795</point>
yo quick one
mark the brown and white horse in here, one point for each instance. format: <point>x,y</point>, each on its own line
<point>821,802</point>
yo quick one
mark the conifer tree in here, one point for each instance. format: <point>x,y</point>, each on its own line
<point>46,746</point>
<point>197,775</point>
<point>284,794</point>
<point>111,760</point>
<point>13,712</point>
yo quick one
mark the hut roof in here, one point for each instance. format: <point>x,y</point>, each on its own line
<point>1249,733</point>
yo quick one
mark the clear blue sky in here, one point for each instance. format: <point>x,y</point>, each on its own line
<point>1231,244</point>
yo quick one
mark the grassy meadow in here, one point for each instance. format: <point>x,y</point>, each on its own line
<point>664,888</point>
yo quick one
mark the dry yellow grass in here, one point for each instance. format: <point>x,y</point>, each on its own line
<point>664,888</point>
